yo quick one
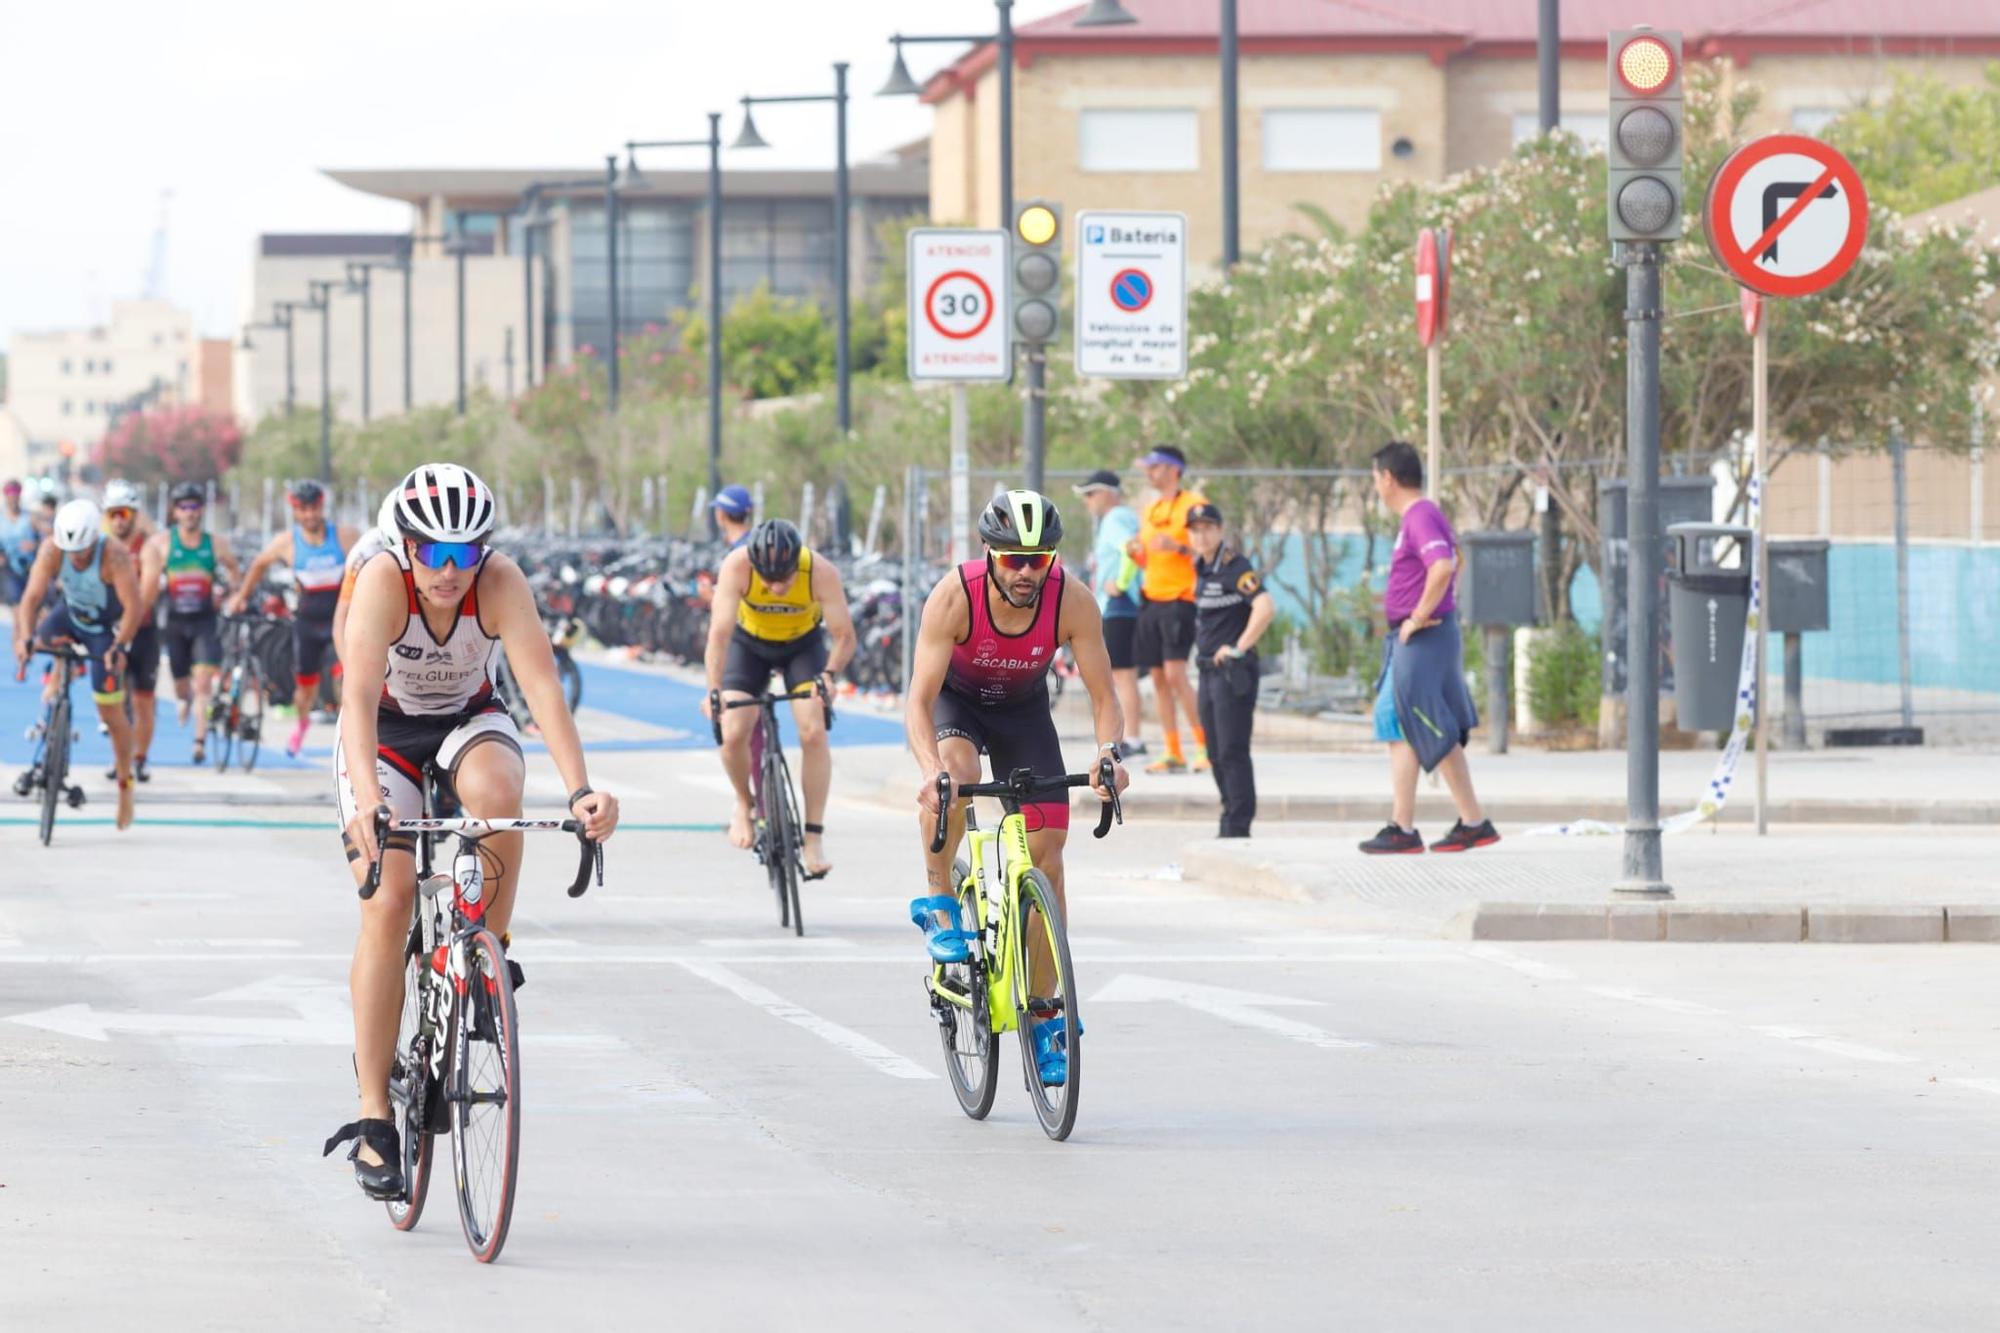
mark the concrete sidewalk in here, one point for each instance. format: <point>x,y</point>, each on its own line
<point>1533,787</point>
<point>1801,883</point>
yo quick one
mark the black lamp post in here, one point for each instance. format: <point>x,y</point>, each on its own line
<point>322,301</point>
<point>359,279</point>
<point>282,317</point>
<point>458,245</point>
<point>611,276</point>
<point>535,214</point>
<point>714,210</point>
<point>900,84</point>
<point>749,138</point>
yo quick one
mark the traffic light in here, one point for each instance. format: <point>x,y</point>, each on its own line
<point>1037,272</point>
<point>1645,144</point>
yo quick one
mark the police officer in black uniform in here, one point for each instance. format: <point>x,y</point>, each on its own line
<point>1233,608</point>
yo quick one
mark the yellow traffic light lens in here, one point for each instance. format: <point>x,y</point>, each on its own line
<point>1036,225</point>
<point>1646,64</point>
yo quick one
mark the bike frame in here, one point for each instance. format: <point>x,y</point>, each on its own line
<point>999,950</point>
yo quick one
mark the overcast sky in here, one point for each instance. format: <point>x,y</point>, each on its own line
<point>234,105</point>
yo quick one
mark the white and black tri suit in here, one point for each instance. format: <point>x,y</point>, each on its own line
<point>437,704</point>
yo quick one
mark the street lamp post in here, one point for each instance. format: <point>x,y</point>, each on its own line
<point>282,316</point>
<point>900,84</point>
<point>714,209</point>
<point>611,274</point>
<point>458,247</point>
<point>535,214</point>
<point>749,138</point>
<point>322,301</point>
<point>359,279</point>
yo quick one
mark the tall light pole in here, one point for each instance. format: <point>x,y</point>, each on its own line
<point>714,210</point>
<point>359,279</point>
<point>611,272</point>
<point>322,301</point>
<point>535,214</point>
<point>749,138</point>
<point>458,246</point>
<point>900,84</point>
<point>282,316</point>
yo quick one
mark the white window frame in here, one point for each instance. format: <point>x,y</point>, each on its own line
<point>1366,142</point>
<point>1183,123</point>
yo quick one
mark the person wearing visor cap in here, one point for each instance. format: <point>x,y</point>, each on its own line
<point>1115,578</point>
<point>1165,633</point>
<point>733,508</point>
<point>1232,610</point>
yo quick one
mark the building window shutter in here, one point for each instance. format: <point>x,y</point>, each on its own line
<point>1125,139</point>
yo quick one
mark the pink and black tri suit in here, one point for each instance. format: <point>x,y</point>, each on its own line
<point>996,691</point>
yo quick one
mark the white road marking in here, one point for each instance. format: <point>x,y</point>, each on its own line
<point>1527,967</point>
<point>1832,1045</point>
<point>865,1049</point>
<point>1651,1001</point>
<point>1242,1007</point>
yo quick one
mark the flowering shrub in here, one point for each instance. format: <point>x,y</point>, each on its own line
<point>170,444</point>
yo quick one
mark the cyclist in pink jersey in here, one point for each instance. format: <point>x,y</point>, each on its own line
<point>979,684</point>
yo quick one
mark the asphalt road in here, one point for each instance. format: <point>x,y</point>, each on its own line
<point>1282,1127</point>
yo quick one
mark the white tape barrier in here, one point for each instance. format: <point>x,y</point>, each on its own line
<point>1716,796</point>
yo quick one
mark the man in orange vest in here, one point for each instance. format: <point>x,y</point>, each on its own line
<point>1165,636</point>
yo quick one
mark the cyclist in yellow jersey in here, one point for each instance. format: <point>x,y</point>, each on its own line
<point>776,607</point>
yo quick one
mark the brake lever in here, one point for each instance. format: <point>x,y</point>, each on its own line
<point>1107,776</point>
<point>374,880</point>
<point>944,812</point>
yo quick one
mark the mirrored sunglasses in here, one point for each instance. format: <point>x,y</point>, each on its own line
<point>122,511</point>
<point>188,506</point>
<point>436,555</point>
<point>1032,561</point>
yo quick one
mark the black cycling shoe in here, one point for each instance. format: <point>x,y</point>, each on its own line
<point>384,1182</point>
<point>140,772</point>
<point>1393,841</point>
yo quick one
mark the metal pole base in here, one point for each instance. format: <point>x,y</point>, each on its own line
<point>1643,875</point>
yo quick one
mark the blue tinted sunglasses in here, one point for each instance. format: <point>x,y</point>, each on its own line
<point>436,555</point>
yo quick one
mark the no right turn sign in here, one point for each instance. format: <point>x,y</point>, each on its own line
<point>1786,215</point>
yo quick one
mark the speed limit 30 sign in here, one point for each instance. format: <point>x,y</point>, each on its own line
<point>957,304</point>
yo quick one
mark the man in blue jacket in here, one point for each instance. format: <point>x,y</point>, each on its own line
<point>1116,581</point>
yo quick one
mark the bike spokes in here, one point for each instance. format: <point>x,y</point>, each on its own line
<point>1050,1029</point>
<point>485,1097</point>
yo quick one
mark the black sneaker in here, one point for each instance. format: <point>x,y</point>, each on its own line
<point>1464,837</point>
<point>1392,841</point>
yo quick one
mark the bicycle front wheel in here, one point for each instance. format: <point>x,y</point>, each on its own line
<point>55,766</point>
<point>413,1098</point>
<point>965,1024</point>
<point>1050,1030</point>
<point>485,1097</point>
<point>219,728</point>
<point>794,846</point>
<point>249,711</point>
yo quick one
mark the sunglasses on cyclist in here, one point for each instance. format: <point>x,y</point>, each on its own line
<point>188,506</point>
<point>1030,561</point>
<point>436,555</point>
<point>122,511</point>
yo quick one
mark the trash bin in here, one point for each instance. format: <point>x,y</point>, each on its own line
<point>1682,500</point>
<point>1708,595</point>
<point>1497,586</point>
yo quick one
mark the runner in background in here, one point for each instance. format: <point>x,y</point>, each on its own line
<point>126,524</point>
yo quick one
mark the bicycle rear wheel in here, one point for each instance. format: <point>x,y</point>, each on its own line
<point>571,676</point>
<point>219,728</point>
<point>1053,1000</point>
<point>965,1024</point>
<point>485,1098</point>
<point>55,764</point>
<point>250,721</point>
<point>411,1099</point>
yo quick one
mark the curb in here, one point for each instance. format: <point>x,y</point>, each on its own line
<point>1730,923</point>
<point>1250,877</point>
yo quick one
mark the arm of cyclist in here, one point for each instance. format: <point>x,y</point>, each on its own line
<point>152,568</point>
<point>29,609</point>
<point>1083,631</point>
<point>731,582</point>
<point>123,576</point>
<point>945,619</point>
<point>279,547</point>
<point>839,620</point>
<point>374,622</point>
<point>508,607</point>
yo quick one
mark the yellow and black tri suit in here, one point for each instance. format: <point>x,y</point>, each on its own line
<point>776,632</point>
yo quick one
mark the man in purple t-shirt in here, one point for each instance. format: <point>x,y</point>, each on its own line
<point>1422,707</point>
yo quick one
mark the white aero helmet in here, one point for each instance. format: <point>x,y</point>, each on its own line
<point>121,494</point>
<point>385,517</point>
<point>443,502</point>
<point>78,526</point>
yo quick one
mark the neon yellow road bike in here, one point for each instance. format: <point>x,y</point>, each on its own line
<point>1000,959</point>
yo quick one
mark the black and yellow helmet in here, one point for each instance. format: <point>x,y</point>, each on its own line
<point>1021,521</point>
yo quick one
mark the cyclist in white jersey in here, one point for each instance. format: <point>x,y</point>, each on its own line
<point>382,537</point>
<point>420,637</point>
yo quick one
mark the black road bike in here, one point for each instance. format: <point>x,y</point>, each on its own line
<point>780,833</point>
<point>48,769</point>
<point>457,1067</point>
<point>236,713</point>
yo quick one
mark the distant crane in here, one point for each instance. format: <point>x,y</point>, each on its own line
<point>156,271</point>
